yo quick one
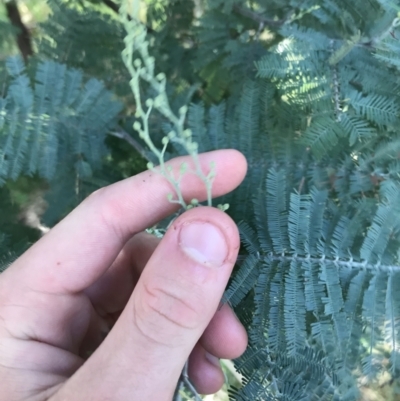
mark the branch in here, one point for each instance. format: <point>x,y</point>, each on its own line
<point>128,138</point>
<point>112,5</point>
<point>278,23</point>
<point>336,261</point>
<point>336,87</point>
<point>23,37</point>
<point>115,7</point>
<point>386,32</point>
<point>259,18</point>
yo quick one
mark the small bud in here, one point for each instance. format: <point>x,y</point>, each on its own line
<point>193,147</point>
<point>183,168</point>
<point>138,113</point>
<point>137,63</point>
<point>183,110</point>
<point>223,207</point>
<point>211,175</point>
<point>150,165</point>
<point>137,126</point>
<point>165,141</point>
<point>187,133</point>
<point>158,101</point>
<point>160,77</point>
<point>194,202</point>
<point>171,135</point>
<point>149,103</point>
<point>170,197</point>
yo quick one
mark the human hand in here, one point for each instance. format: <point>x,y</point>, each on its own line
<point>95,270</point>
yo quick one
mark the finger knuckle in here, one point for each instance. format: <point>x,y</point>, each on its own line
<point>163,312</point>
<point>95,196</point>
<point>106,208</point>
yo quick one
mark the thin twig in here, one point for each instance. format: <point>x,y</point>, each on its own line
<point>184,381</point>
<point>188,383</point>
<point>259,18</point>
<point>349,263</point>
<point>386,32</point>
<point>122,134</point>
<point>112,5</point>
<point>177,394</point>
<point>336,87</point>
<point>370,44</point>
<point>115,7</point>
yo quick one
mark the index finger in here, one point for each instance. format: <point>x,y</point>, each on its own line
<point>77,251</point>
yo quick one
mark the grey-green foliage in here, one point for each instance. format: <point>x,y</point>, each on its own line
<point>75,33</point>
<point>58,117</point>
<point>310,94</point>
<point>318,123</point>
<point>321,140</point>
<point>6,38</point>
<point>322,271</point>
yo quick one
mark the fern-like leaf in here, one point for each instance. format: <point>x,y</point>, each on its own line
<point>243,281</point>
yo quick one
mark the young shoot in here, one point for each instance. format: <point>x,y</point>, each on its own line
<point>141,67</point>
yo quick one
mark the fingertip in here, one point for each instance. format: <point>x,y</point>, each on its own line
<point>205,215</point>
<point>205,371</point>
<point>225,336</point>
<point>240,161</point>
<point>233,161</point>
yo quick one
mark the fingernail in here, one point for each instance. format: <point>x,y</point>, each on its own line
<point>204,243</point>
<point>212,359</point>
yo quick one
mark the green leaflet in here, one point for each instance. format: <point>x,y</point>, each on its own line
<point>295,311</point>
<point>303,298</point>
<point>345,49</point>
<point>277,211</point>
<point>55,115</point>
<point>244,281</point>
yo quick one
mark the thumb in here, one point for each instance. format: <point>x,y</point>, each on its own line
<point>176,297</point>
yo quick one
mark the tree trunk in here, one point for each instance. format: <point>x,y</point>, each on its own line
<point>23,37</point>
